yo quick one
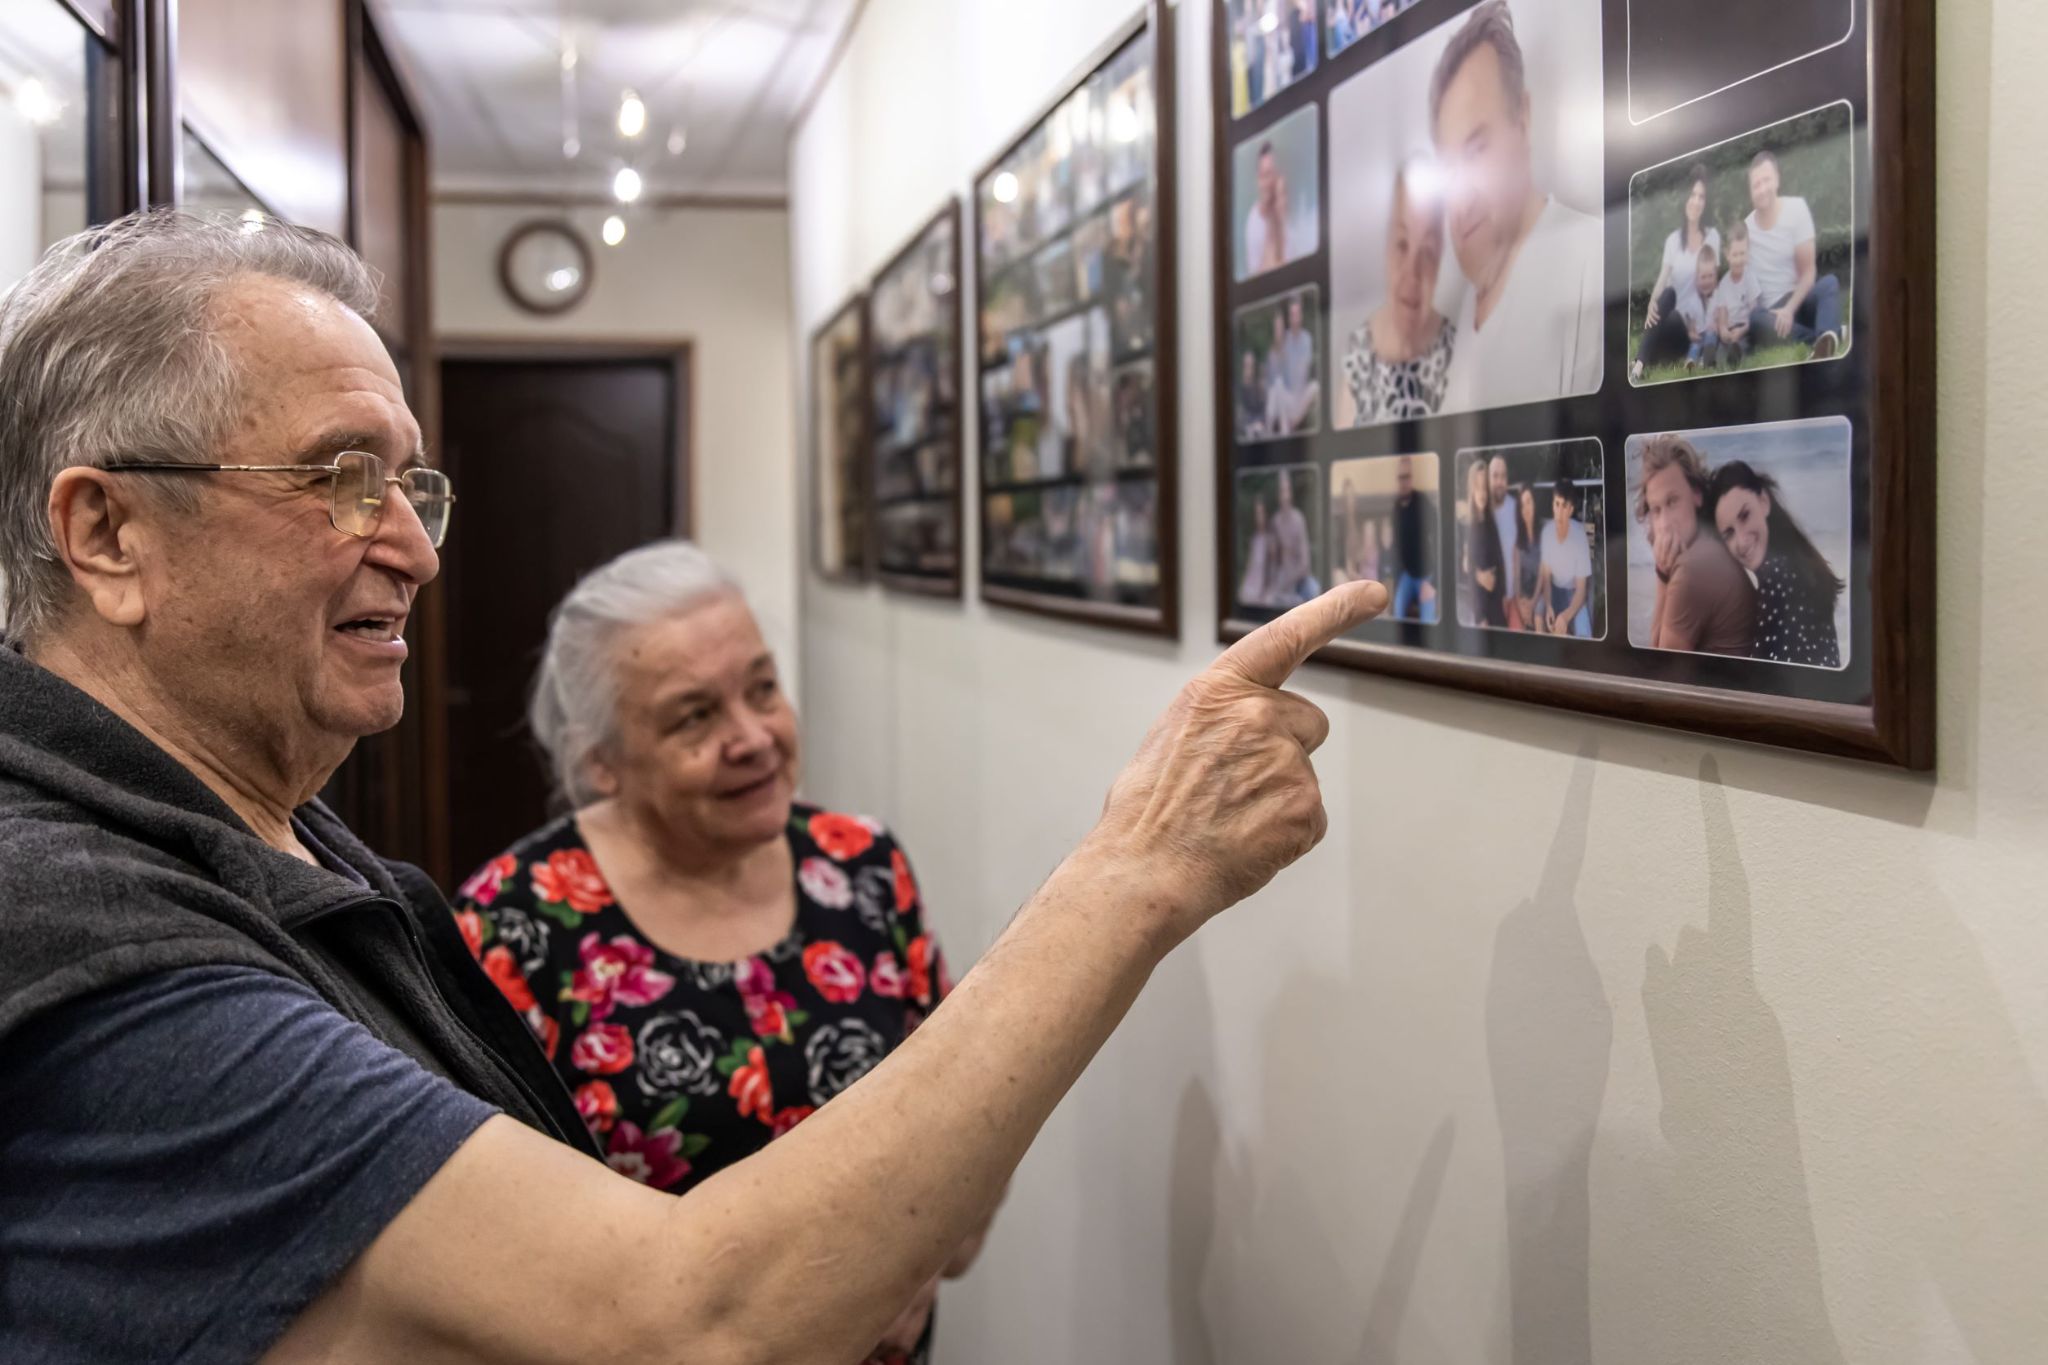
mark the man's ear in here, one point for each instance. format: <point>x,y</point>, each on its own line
<point>92,519</point>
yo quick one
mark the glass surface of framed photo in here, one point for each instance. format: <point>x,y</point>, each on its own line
<point>1605,331</point>
<point>1074,372</point>
<point>841,402</point>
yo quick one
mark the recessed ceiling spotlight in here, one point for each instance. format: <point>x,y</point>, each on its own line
<point>614,230</point>
<point>632,115</point>
<point>626,185</point>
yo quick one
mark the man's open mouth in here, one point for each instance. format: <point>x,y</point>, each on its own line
<point>380,629</point>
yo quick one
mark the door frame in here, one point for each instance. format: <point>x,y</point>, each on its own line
<point>678,352</point>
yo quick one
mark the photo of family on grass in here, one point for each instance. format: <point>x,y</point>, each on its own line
<point>1740,542</point>
<point>1742,256</point>
<point>1278,514</point>
<point>1279,370</point>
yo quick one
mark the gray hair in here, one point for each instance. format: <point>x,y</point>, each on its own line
<point>1491,24</point>
<point>574,711</point>
<point>108,351</point>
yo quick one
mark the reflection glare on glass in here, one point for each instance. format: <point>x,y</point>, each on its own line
<point>45,151</point>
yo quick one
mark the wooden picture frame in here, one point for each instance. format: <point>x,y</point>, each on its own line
<point>1845,428</point>
<point>914,375</point>
<point>840,419</point>
<point>1089,530</point>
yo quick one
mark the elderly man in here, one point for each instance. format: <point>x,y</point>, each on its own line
<point>260,1103</point>
<point>1529,329</point>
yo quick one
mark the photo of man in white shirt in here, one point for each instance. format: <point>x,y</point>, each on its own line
<point>1530,328</point>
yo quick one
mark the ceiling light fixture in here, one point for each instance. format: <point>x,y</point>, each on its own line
<point>35,102</point>
<point>632,115</point>
<point>677,140</point>
<point>614,230</point>
<point>626,185</point>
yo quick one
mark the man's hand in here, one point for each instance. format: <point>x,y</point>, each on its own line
<point>1221,795</point>
<point>1783,317</point>
<point>1667,551</point>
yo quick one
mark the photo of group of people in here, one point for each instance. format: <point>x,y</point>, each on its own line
<point>1272,45</point>
<point>1384,512</point>
<point>1276,507</point>
<point>1279,371</point>
<point>1742,255</point>
<point>1274,201</point>
<point>1068,309</point>
<point>1351,20</point>
<point>1740,542</point>
<point>1467,245</point>
<point>1531,552</point>
<point>839,443</point>
<point>914,366</point>
<point>1102,540</point>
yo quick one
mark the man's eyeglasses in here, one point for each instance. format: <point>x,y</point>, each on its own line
<point>355,494</point>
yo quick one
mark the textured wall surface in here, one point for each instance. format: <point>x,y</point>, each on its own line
<point>1576,1041</point>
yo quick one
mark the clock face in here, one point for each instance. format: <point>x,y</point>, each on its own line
<point>545,267</point>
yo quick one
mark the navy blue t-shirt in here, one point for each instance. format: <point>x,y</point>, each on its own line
<point>188,1160</point>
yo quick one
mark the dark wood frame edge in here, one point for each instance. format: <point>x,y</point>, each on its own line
<point>1898,727</point>
<point>558,223</point>
<point>1158,15</point>
<point>954,588</point>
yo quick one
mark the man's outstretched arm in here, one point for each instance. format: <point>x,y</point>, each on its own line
<point>520,1249</point>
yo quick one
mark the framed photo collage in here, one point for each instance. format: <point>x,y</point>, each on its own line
<point>1601,333</point>
<point>1599,330</point>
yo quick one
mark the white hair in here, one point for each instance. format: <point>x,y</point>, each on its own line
<point>107,351</point>
<point>574,711</point>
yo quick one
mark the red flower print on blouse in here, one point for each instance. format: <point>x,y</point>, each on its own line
<point>789,1118</point>
<point>835,972</point>
<point>886,978</point>
<point>570,875</point>
<point>598,1103</point>
<point>503,969</point>
<point>906,885</point>
<point>484,883</point>
<point>920,966</point>
<point>602,1050</point>
<point>651,1158</point>
<point>824,883</point>
<point>617,973</point>
<point>841,836</point>
<point>472,926</point>
<point>751,1087</point>
<point>767,1007</point>
<point>546,1029</point>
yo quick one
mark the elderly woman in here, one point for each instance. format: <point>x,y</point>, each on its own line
<point>705,959</point>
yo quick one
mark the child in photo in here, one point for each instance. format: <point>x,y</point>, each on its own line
<point>1693,306</point>
<point>1736,299</point>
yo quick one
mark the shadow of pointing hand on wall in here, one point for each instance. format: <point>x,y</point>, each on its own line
<point>1739,1189</point>
<point>1549,1036</point>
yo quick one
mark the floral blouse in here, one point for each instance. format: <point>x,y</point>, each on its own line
<point>681,1068</point>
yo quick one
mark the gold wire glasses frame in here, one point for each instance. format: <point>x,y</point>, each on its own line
<point>356,484</point>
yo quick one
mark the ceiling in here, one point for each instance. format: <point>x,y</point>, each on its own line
<point>730,74</point>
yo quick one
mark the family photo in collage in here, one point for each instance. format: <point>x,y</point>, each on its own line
<point>1467,246</point>
<point>1383,519</point>
<point>1740,542</point>
<point>1068,400</point>
<point>1531,553</point>
<point>1280,388</point>
<point>1275,188</point>
<point>1278,517</point>
<point>1742,256</point>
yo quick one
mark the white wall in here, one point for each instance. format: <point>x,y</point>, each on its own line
<point>1434,1098</point>
<point>717,277</point>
